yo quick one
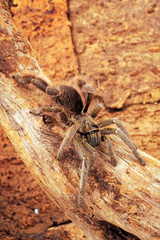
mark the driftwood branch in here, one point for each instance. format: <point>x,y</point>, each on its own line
<point>127,195</point>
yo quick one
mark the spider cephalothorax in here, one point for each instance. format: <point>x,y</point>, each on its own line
<point>72,106</point>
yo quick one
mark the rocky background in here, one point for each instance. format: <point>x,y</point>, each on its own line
<point>116,44</point>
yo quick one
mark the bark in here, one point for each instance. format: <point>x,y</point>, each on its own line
<point>127,195</point>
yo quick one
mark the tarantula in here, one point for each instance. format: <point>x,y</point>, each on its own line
<point>86,132</point>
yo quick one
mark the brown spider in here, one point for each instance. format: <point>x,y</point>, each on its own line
<point>87,132</point>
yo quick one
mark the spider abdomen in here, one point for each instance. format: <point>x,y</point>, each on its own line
<point>94,138</point>
<point>69,98</point>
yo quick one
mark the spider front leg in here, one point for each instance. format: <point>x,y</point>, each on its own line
<point>86,165</point>
<point>110,121</point>
<point>126,140</point>
<point>110,150</point>
<point>66,141</point>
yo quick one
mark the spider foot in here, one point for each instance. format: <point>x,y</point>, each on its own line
<point>113,161</point>
<point>80,199</point>
<point>36,112</point>
<point>140,159</point>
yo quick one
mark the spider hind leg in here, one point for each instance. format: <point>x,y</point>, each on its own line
<point>66,141</point>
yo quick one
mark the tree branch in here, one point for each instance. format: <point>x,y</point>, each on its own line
<point>127,195</point>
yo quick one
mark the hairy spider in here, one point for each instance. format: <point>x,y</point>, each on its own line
<point>86,132</point>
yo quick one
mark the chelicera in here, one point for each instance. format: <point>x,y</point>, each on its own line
<point>72,105</point>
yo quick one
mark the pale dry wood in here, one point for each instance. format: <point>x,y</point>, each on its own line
<point>127,195</point>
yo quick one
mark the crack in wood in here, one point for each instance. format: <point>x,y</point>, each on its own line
<point>72,36</point>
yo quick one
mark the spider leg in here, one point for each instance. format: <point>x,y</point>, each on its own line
<point>38,82</point>
<point>87,92</point>
<point>88,99</point>
<point>109,121</point>
<point>126,140</point>
<point>86,166</point>
<point>96,110</point>
<point>48,109</point>
<point>84,172</point>
<point>110,150</point>
<point>66,141</point>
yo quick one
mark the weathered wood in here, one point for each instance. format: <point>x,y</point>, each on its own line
<point>127,195</point>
